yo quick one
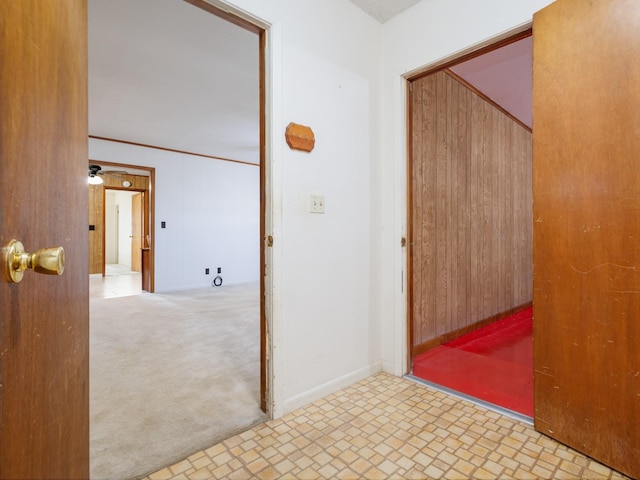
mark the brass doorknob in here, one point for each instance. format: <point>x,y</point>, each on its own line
<point>49,261</point>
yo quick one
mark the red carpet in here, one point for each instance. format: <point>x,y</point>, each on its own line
<point>494,363</point>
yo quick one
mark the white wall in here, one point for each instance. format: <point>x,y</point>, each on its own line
<point>428,32</point>
<point>110,227</point>
<point>324,71</point>
<point>337,306</point>
<point>125,220</point>
<point>117,223</point>
<point>118,206</point>
<point>212,214</point>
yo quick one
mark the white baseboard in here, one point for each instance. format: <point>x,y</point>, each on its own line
<point>330,387</point>
<point>187,288</point>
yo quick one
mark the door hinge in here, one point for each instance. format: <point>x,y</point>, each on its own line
<point>269,241</point>
<point>403,242</point>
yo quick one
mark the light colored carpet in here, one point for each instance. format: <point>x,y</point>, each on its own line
<point>171,374</point>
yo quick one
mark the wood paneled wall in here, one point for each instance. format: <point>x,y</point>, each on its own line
<point>96,213</point>
<point>470,211</point>
<point>96,221</point>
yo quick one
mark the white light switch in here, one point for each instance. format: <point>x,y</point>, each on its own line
<point>316,204</point>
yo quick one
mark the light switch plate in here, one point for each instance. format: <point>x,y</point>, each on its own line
<point>316,204</point>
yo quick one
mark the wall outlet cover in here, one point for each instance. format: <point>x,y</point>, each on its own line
<point>316,204</point>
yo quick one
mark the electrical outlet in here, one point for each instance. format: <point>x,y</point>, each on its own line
<point>206,271</point>
<point>316,204</point>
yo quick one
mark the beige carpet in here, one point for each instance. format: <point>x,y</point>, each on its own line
<point>170,375</point>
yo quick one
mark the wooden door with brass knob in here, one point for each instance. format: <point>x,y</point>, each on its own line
<point>44,319</point>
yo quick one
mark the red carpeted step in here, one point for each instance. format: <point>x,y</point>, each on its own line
<point>494,363</point>
<point>510,338</point>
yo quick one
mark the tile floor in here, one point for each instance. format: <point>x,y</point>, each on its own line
<point>118,282</point>
<point>386,427</point>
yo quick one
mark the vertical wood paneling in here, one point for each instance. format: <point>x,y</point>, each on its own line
<point>424,219</point>
<point>460,189</point>
<point>452,200</point>
<point>475,221</point>
<point>414,171</point>
<point>96,236</point>
<point>429,204</point>
<point>440,232</point>
<point>471,212</point>
<point>487,228</point>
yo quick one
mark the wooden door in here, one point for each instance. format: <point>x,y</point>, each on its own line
<point>44,320</point>
<point>586,149</point>
<point>136,232</point>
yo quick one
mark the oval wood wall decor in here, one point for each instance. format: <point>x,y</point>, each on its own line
<point>300,137</point>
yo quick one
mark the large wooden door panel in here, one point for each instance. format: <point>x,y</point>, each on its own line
<point>586,149</point>
<point>44,320</point>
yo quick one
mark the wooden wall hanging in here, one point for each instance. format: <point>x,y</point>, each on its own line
<point>300,137</point>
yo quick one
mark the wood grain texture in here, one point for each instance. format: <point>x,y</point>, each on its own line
<point>230,17</point>
<point>469,208</point>
<point>96,221</point>
<point>44,324</point>
<point>138,182</point>
<point>300,137</point>
<point>265,219</point>
<point>587,227</point>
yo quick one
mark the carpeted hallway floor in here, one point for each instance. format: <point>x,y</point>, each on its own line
<point>170,374</point>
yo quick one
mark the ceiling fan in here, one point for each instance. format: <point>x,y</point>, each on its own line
<point>96,172</point>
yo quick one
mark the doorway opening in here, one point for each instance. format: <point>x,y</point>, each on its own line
<point>122,245</point>
<point>200,183</point>
<point>470,225</point>
<point>121,230</point>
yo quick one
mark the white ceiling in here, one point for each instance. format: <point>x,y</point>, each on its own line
<point>383,10</point>
<point>165,73</point>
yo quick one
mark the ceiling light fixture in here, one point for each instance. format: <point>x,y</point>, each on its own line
<point>95,180</point>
